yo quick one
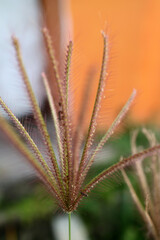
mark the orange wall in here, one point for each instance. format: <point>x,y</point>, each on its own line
<point>135,59</point>
<point>135,30</point>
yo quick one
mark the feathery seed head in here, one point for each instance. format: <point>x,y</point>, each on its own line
<point>65,174</point>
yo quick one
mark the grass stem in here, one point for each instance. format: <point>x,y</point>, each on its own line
<point>69,225</point>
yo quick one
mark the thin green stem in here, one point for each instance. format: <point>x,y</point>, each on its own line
<point>69,225</point>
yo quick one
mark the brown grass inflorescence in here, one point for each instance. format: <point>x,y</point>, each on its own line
<point>66,174</point>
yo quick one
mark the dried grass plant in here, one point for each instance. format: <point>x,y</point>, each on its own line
<point>65,175</point>
<point>148,204</point>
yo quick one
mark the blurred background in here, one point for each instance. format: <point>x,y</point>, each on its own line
<point>27,212</point>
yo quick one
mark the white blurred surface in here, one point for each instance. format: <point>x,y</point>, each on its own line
<point>60,228</point>
<point>13,167</point>
<point>23,19</point>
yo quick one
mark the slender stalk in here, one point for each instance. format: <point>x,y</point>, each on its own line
<point>18,143</point>
<point>115,168</point>
<point>69,225</point>
<point>145,215</point>
<point>92,125</point>
<point>79,131</point>
<point>141,173</point>
<point>28,139</point>
<point>108,134</point>
<point>67,130</point>
<point>37,113</point>
<point>54,115</point>
<point>67,70</point>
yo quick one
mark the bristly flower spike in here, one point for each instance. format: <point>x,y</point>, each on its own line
<point>64,175</point>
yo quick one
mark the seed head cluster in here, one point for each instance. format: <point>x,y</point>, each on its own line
<point>64,175</point>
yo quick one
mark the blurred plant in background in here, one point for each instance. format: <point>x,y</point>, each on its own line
<point>148,173</point>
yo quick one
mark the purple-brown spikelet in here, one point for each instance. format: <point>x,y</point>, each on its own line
<point>65,174</point>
